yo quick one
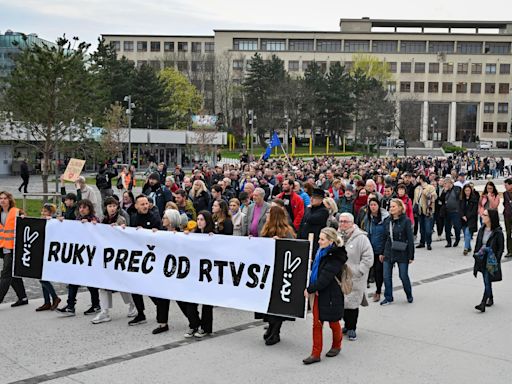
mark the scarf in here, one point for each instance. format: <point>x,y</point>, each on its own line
<point>316,264</point>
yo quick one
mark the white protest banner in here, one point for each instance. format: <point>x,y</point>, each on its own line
<point>254,274</point>
<point>73,170</point>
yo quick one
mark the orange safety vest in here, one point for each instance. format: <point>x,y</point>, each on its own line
<point>7,230</point>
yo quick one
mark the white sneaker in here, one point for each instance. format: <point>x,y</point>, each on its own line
<point>200,334</point>
<point>102,317</point>
<point>190,333</point>
<point>132,311</point>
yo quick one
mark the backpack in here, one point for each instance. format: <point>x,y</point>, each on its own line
<point>102,181</point>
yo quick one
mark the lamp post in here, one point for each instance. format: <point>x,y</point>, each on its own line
<point>287,121</point>
<point>433,125</point>
<point>131,105</point>
<point>251,124</point>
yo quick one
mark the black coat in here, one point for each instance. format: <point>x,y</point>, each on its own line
<point>330,298</point>
<point>314,219</point>
<point>402,231</point>
<point>497,243</point>
<point>201,202</point>
<point>469,208</point>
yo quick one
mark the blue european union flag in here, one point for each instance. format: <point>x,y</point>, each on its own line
<point>275,141</point>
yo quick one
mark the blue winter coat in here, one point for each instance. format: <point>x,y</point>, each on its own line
<point>378,232</point>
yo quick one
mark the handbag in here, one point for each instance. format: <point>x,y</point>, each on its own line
<point>396,245</point>
<point>346,284</point>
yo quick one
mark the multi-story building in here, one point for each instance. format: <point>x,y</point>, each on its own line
<point>451,79</point>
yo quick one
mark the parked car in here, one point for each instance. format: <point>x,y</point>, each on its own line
<point>399,143</point>
<point>485,145</point>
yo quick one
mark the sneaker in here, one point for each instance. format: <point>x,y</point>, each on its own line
<point>102,317</point>
<point>139,319</point>
<point>92,311</point>
<point>410,300</point>
<point>386,302</point>
<point>66,311</point>
<point>201,333</point>
<point>352,335</point>
<point>508,255</point>
<point>190,333</point>
<point>132,311</point>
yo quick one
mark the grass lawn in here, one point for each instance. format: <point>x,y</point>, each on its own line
<point>33,207</point>
<point>299,151</point>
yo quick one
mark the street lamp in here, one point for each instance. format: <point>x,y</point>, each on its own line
<point>251,124</point>
<point>287,121</point>
<point>131,105</point>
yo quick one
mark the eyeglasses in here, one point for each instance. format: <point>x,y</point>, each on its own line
<point>344,221</point>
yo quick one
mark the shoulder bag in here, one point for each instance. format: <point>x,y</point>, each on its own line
<point>396,245</point>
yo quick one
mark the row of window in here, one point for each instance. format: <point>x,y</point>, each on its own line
<point>169,46</point>
<point>378,46</point>
<point>447,87</point>
<point>448,68</point>
<point>489,127</point>
<point>489,107</point>
<point>181,65</point>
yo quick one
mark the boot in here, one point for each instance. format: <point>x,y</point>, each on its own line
<point>268,332</point>
<point>481,307</point>
<point>490,302</point>
<point>274,336</point>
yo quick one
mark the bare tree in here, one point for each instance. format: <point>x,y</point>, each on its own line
<point>114,134</point>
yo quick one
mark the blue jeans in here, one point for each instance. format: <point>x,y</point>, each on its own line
<point>426,227</point>
<point>48,291</point>
<point>467,237</point>
<point>403,272</point>
<point>452,219</point>
<point>487,284</point>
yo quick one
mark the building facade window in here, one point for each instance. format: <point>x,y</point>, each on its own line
<point>405,67</point>
<point>448,68</point>
<point>209,47</point>
<point>303,45</point>
<point>405,86</point>
<point>490,68</point>
<point>293,65</point>
<point>488,107</point>
<point>328,45</point>
<point>462,88</point>
<point>441,46</point>
<point>116,44</point>
<point>469,47</point>
<point>155,64</point>
<point>385,46</point>
<point>245,44</point>
<point>419,87</point>
<point>392,67</point>
<point>168,64</point>
<point>140,63</point>
<point>502,107</point>
<point>419,67</point>
<point>500,48</point>
<point>357,46</point>
<point>142,46</point>
<point>155,46</point>
<point>476,88</point>
<point>305,64</point>
<point>196,46</point>
<point>182,46</point>
<point>433,67</point>
<point>447,87</point>
<point>238,65</point>
<point>504,69</point>
<point>128,46</point>
<point>433,87</point>
<point>273,44</point>
<point>490,88</point>
<point>183,65</point>
<point>197,66</point>
<point>502,127</point>
<point>413,46</point>
<point>488,126</point>
<point>168,46</point>
<point>476,68</point>
<point>462,68</point>
<point>504,88</point>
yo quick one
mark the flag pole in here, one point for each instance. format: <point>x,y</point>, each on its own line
<point>287,158</point>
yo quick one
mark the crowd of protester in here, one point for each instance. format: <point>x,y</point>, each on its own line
<point>366,214</point>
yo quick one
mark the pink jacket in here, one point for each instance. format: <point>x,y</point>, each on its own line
<point>494,202</point>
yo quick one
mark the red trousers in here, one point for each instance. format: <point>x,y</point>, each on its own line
<point>337,335</point>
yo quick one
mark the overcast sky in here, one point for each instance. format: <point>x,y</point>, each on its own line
<point>88,19</point>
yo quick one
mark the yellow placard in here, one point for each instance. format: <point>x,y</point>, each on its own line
<point>73,170</point>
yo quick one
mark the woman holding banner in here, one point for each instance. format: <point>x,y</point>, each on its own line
<point>325,294</point>
<point>222,218</point>
<point>277,227</point>
<point>200,326</point>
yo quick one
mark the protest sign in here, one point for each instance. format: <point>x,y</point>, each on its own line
<point>73,170</point>
<point>254,274</point>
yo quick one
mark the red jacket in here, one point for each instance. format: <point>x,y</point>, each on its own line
<point>297,208</point>
<point>408,207</point>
